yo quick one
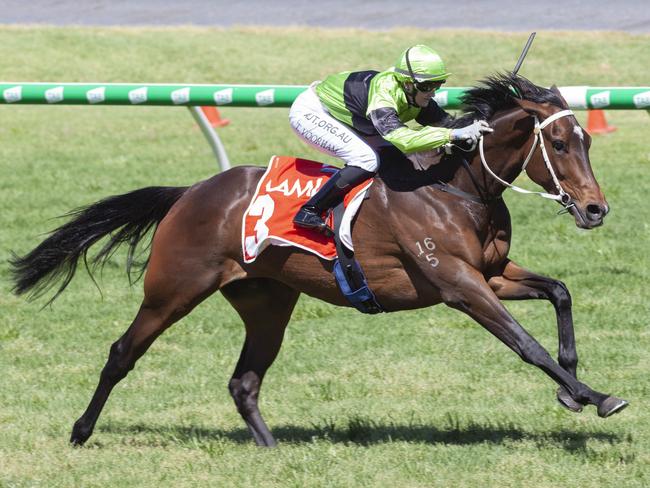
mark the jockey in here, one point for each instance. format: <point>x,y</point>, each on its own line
<point>350,115</point>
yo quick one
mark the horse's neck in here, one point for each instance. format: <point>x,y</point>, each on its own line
<point>505,151</point>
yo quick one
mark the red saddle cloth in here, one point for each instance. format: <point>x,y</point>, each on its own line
<point>286,185</point>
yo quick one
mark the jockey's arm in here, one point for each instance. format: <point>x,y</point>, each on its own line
<point>406,139</point>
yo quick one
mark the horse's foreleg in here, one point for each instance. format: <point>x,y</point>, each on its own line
<point>265,306</point>
<point>471,294</point>
<point>517,283</point>
<point>166,301</point>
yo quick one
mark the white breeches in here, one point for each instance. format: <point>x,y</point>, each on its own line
<point>314,125</point>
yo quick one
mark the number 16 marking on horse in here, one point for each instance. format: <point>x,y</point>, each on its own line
<point>427,245</point>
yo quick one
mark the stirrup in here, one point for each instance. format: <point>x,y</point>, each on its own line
<point>307,219</point>
<point>322,228</point>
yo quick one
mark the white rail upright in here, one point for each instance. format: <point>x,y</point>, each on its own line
<point>213,138</point>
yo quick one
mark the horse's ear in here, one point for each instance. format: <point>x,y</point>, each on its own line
<point>557,91</point>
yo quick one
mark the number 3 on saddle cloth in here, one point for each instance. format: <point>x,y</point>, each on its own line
<point>286,185</point>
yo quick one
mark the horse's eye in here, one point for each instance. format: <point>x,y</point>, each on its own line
<point>558,145</point>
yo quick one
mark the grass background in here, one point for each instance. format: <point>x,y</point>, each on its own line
<point>421,398</point>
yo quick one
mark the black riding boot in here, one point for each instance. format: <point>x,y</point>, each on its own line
<point>310,215</point>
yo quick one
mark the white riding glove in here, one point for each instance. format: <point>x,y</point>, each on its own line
<point>470,133</point>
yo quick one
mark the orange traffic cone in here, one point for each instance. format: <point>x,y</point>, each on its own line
<point>213,116</point>
<point>597,124</point>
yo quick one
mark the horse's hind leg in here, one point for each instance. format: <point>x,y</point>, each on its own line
<point>265,306</point>
<point>169,296</point>
<point>517,283</point>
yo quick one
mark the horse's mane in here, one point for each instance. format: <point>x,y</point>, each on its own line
<point>493,94</point>
<point>498,92</point>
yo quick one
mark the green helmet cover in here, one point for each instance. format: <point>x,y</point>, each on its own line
<point>426,65</point>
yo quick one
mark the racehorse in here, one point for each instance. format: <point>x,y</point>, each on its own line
<point>423,237</point>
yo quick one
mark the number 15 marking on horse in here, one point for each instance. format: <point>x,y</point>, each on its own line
<point>425,247</point>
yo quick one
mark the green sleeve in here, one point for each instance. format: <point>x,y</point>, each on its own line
<point>410,140</point>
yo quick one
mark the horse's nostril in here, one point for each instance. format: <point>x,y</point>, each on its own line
<point>595,211</point>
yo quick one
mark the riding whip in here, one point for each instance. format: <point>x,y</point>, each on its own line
<point>523,53</point>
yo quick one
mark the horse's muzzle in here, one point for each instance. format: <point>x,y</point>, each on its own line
<point>589,216</point>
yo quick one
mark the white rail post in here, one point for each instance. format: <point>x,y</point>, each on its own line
<point>211,135</point>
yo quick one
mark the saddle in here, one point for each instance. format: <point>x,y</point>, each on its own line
<point>285,186</point>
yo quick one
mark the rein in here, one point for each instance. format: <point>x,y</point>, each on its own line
<point>563,197</point>
<point>446,187</point>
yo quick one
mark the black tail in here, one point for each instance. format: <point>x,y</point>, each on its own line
<point>132,215</point>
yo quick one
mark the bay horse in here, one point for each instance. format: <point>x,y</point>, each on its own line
<point>423,237</point>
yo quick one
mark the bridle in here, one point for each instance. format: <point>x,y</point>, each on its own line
<point>563,197</point>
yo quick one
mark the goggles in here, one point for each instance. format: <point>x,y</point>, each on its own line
<point>428,86</point>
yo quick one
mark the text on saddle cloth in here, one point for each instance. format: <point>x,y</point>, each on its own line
<point>286,185</point>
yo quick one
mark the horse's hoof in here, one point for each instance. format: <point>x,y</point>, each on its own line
<point>610,406</point>
<point>79,436</point>
<point>76,441</point>
<point>268,443</point>
<point>567,402</point>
